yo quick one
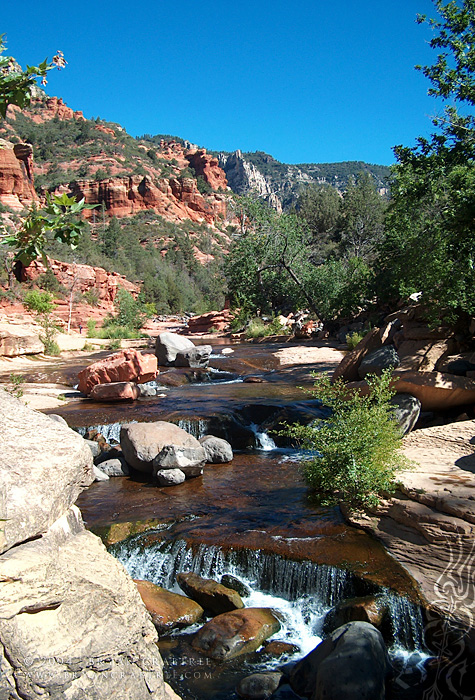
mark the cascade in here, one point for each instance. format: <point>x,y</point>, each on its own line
<point>263,440</point>
<point>198,427</point>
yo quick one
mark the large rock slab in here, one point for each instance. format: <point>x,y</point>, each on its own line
<point>168,345</point>
<point>124,366</point>
<point>44,466</point>
<point>234,633</point>
<point>436,391</point>
<point>168,610</point>
<point>378,360</point>
<point>142,443</point>
<point>72,624</point>
<point>351,663</point>
<point>196,357</point>
<point>211,595</point>
<point>16,340</point>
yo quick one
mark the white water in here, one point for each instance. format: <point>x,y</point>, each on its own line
<point>263,440</point>
<point>300,592</point>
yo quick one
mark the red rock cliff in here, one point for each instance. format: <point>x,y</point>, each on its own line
<point>16,175</point>
<point>208,167</point>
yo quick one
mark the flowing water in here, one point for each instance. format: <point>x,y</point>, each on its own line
<point>252,518</point>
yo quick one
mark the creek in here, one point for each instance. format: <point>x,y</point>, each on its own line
<point>252,518</point>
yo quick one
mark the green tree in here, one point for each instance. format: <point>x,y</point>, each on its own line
<point>429,245</point>
<point>363,212</point>
<point>110,238</point>
<point>320,206</point>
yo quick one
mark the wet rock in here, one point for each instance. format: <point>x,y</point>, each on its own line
<point>406,412</point>
<point>369,609</point>
<point>147,390</point>
<point>196,357</point>
<point>142,442</point>
<point>378,360</point>
<point>168,610</point>
<point>170,477</point>
<point>252,379</point>
<point>217,450</point>
<point>99,475</point>
<point>258,686</point>
<point>116,391</point>
<point>168,344</point>
<point>234,633</point>
<point>125,366</point>
<point>236,585</point>
<point>94,447</point>
<point>285,692</point>
<point>115,467</point>
<point>279,648</point>
<point>352,663</point>
<point>211,595</point>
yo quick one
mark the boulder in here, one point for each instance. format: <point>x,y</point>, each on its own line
<point>114,467</point>
<point>236,584</point>
<point>378,360</point>
<point>170,477</point>
<point>234,633</point>
<point>18,342</point>
<point>279,648</point>
<point>458,364</point>
<point>259,686</point>
<point>142,442</point>
<point>124,366</point>
<point>190,459</point>
<point>351,663</point>
<point>44,466</point>
<point>94,447</point>
<point>195,357</point>
<point>436,391</point>
<point>217,450</point>
<point>347,370</point>
<point>214,320</point>
<point>168,610</point>
<point>98,474</point>
<point>212,596</point>
<point>168,344</point>
<point>407,410</point>
<point>115,391</point>
<point>72,624</point>
<point>369,609</point>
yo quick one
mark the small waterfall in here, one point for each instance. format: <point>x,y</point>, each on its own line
<point>406,623</point>
<point>198,427</point>
<point>269,573</point>
<point>110,431</point>
<point>263,440</point>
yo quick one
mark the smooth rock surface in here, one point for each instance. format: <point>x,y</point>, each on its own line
<point>211,595</point>
<point>189,459</point>
<point>44,466</point>
<point>350,664</point>
<point>259,686</point>
<point>378,360</point>
<point>234,633</point>
<point>114,467</point>
<point>168,344</point>
<point>196,357</point>
<point>15,341</point>
<point>170,477</point>
<point>168,610</point>
<point>142,442</point>
<point>407,410</point>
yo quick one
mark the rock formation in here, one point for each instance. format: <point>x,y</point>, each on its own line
<point>244,178</point>
<point>16,175</point>
<point>72,624</point>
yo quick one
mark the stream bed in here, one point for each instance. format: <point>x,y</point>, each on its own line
<point>252,518</point>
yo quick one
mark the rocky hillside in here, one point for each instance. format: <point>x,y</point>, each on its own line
<point>280,183</point>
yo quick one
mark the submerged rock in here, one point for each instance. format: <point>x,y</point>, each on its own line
<point>259,686</point>
<point>211,595</point>
<point>234,633</point>
<point>369,609</point>
<point>236,584</point>
<point>170,477</point>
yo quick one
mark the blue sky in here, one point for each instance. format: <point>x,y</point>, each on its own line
<point>307,81</point>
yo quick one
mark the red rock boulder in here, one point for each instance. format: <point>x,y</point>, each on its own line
<point>214,320</point>
<point>115,391</point>
<point>125,366</point>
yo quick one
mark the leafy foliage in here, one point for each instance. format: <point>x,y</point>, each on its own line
<point>358,446</point>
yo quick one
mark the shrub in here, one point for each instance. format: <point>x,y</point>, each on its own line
<point>39,302</point>
<point>352,339</point>
<point>91,297</point>
<point>358,446</point>
<point>91,328</point>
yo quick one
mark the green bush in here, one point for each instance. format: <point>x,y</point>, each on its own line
<point>258,329</point>
<point>39,302</point>
<point>358,446</point>
<point>352,339</point>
